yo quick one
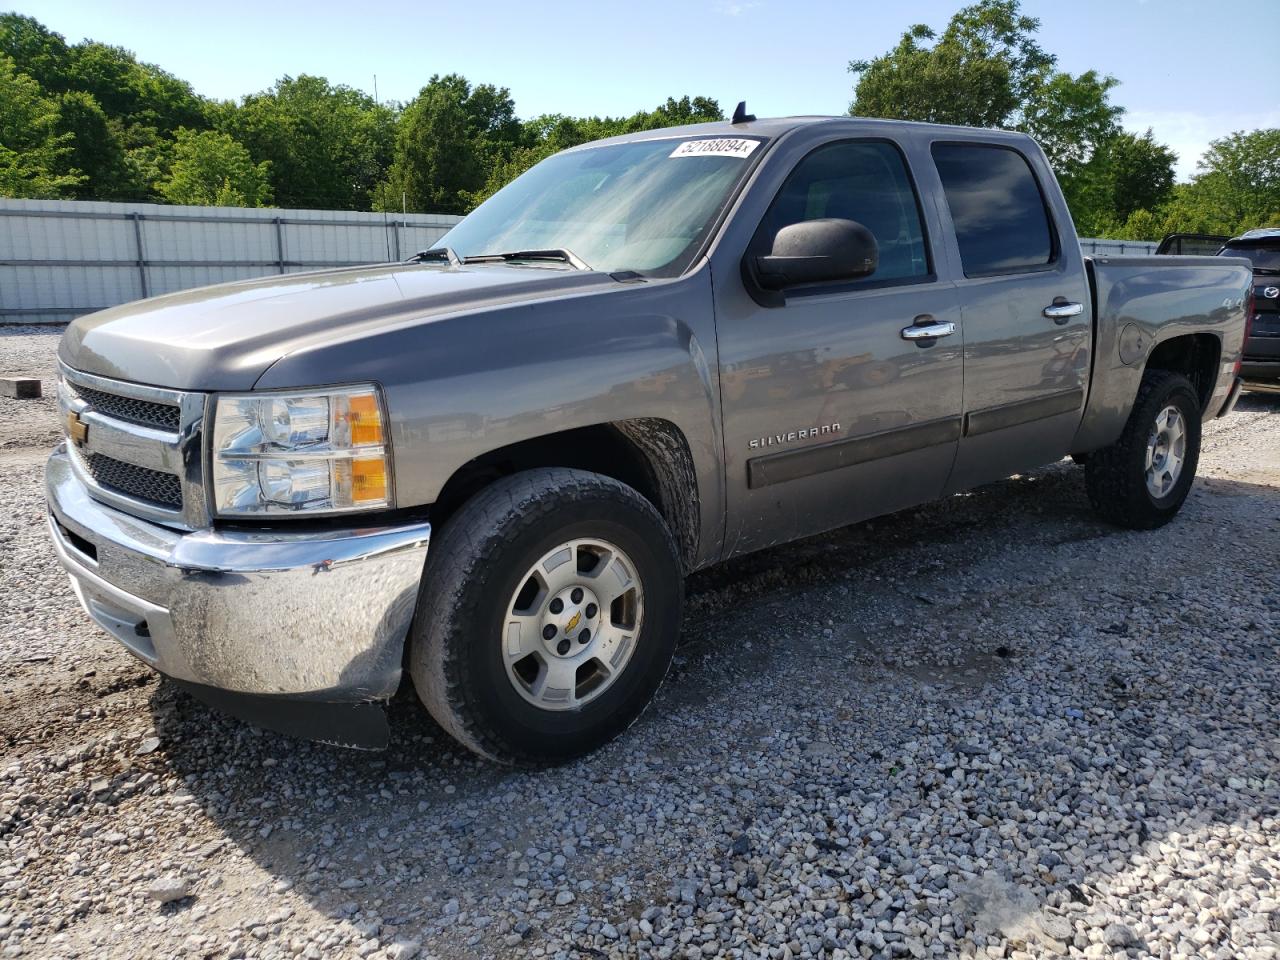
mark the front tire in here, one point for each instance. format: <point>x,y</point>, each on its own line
<point>548,616</point>
<point>1142,479</point>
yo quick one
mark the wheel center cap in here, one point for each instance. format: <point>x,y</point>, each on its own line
<point>570,621</point>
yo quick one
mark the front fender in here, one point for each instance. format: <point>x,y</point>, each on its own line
<point>462,385</point>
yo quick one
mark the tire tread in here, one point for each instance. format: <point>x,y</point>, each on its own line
<point>1115,491</point>
<point>470,541</point>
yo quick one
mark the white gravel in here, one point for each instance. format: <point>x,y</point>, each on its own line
<point>991,727</point>
<point>29,352</point>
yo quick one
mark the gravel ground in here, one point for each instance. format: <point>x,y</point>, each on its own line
<point>991,727</point>
<point>29,352</point>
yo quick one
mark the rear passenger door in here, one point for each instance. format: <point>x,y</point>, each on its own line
<point>1024,299</point>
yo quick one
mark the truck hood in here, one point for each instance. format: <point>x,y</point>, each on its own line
<point>225,337</point>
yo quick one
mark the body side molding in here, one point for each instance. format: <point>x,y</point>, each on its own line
<point>793,464</point>
<point>1024,411</point>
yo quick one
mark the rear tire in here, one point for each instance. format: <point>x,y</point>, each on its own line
<point>1142,479</point>
<point>524,658</point>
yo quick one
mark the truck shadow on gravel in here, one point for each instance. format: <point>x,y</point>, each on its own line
<point>996,703</point>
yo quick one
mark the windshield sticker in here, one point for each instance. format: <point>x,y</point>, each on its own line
<point>720,147</point>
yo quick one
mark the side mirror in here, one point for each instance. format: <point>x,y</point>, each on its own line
<point>818,251</point>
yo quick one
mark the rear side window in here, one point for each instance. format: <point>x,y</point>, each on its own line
<point>997,208</point>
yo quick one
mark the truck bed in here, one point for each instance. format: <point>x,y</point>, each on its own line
<point>1140,303</point>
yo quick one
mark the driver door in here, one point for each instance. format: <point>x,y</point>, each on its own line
<point>832,411</point>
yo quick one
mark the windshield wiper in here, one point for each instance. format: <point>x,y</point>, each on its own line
<point>437,255</point>
<point>557,253</point>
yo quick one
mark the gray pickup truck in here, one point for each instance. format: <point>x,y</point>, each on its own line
<point>492,466</point>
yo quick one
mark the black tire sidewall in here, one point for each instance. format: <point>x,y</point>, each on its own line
<point>1180,393</point>
<point>525,729</point>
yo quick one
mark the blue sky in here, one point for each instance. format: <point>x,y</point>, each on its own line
<point>782,56</point>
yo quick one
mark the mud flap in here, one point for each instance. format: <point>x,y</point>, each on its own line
<point>362,726</point>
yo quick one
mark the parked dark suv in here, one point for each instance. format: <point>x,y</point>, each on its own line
<point>1262,349</point>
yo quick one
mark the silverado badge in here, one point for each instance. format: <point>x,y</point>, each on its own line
<point>791,436</point>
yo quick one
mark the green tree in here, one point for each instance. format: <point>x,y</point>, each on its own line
<point>148,156</point>
<point>978,73</point>
<point>95,150</point>
<point>447,141</point>
<point>33,153</point>
<point>35,50</point>
<point>328,146</point>
<point>675,113</point>
<point>987,70</point>
<point>130,91</point>
<point>209,168</point>
<point>1236,188</point>
<point>1138,173</point>
<point>1238,183</point>
<point>1127,173</point>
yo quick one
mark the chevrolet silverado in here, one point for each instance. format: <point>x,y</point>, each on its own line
<point>490,468</point>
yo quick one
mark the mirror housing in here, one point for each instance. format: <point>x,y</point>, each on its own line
<point>818,251</point>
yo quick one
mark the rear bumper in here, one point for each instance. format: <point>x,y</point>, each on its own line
<point>257,619</point>
<point>1252,369</point>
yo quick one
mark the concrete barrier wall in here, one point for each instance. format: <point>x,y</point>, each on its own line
<point>60,259</point>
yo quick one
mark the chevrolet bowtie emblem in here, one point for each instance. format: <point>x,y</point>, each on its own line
<point>77,429</point>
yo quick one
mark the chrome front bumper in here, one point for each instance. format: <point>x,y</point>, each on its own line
<point>317,616</point>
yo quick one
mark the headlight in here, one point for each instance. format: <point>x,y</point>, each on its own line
<point>322,451</point>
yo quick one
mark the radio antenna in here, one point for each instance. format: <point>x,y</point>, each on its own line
<point>740,115</point>
<point>386,226</point>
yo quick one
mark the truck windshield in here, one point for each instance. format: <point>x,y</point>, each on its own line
<point>1264,259</point>
<point>644,205</point>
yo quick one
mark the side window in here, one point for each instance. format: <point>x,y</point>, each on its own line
<point>865,181</point>
<point>997,208</point>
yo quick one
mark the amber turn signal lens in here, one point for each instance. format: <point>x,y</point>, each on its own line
<point>368,480</point>
<point>364,418</point>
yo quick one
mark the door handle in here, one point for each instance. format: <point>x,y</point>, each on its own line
<point>1062,310</point>
<point>929,331</point>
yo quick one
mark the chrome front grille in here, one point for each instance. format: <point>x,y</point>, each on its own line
<point>162,489</point>
<point>146,413</point>
<point>136,447</point>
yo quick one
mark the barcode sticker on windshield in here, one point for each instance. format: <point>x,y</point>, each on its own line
<point>720,147</point>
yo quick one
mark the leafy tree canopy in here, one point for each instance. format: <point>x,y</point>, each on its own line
<point>211,169</point>
<point>987,69</point>
<point>33,152</point>
<point>1236,188</point>
<point>130,91</point>
<point>447,140</point>
<point>95,150</point>
<point>35,50</point>
<point>1126,174</point>
<point>328,145</point>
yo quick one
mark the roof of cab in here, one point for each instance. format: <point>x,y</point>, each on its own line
<point>771,127</point>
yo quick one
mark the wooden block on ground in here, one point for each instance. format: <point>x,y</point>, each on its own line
<point>21,387</point>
